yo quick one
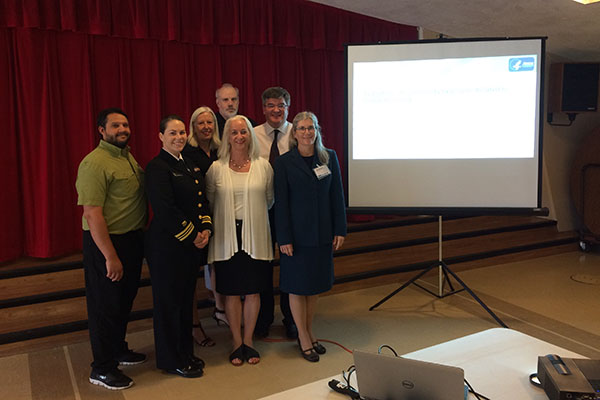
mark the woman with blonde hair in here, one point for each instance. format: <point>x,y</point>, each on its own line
<point>310,222</point>
<point>203,141</point>
<point>201,147</point>
<point>240,191</point>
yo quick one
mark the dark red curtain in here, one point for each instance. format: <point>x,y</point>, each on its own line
<point>63,60</point>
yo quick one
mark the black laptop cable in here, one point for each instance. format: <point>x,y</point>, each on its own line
<point>385,346</point>
<point>345,388</point>
<point>348,373</point>
<point>479,396</point>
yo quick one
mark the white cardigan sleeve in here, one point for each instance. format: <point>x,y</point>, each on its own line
<point>219,191</point>
<point>256,233</point>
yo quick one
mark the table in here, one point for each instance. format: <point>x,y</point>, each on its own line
<point>497,363</point>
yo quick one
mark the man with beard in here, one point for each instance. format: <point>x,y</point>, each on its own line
<point>110,189</point>
<point>228,102</point>
<point>273,139</point>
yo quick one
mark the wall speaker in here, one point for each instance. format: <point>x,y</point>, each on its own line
<point>573,87</point>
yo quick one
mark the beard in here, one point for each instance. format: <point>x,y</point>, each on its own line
<point>114,140</point>
<point>229,113</point>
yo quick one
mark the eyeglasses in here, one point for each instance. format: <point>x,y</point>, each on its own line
<point>271,106</point>
<point>305,128</point>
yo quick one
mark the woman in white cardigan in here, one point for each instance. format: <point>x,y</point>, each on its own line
<point>239,186</point>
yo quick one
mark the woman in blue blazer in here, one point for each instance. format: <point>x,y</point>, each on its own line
<point>310,222</point>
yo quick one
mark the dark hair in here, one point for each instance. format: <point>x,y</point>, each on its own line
<point>167,119</point>
<point>103,115</point>
<point>276,92</point>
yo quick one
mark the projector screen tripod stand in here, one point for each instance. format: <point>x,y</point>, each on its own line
<point>444,273</point>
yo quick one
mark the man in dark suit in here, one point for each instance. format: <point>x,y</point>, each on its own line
<point>273,139</point>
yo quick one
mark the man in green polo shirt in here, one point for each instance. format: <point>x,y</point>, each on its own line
<point>110,189</point>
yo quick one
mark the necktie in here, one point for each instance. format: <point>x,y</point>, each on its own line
<point>274,149</point>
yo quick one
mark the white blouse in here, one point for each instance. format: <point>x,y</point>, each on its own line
<point>238,179</point>
<point>257,199</point>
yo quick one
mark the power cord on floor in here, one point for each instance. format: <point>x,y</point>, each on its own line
<point>281,340</point>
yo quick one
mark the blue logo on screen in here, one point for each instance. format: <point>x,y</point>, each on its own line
<point>521,64</point>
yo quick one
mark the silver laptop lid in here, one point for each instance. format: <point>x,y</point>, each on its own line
<point>385,377</point>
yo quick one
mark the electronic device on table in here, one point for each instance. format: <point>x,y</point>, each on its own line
<point>387,377</point>
<point>569,378</point>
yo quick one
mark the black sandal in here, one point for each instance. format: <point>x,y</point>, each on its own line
<point>207,341</point>
<point>319,348</point>
<point>237,354</point>
<point>250,353</point>
<point>218,317</point>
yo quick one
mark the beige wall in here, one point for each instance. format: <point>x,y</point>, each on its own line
<point>559,148</point>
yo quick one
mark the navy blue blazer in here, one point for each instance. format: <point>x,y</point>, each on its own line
<point>308,211</point>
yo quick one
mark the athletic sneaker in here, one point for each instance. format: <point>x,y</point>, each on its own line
<point>131,358</point>
<point>113,380</point>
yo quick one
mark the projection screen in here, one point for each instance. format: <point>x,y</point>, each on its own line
<point>444,126</point>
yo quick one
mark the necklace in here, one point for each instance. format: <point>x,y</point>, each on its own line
<point>233,164</point>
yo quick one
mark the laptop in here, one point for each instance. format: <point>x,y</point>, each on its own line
<point>385,377</point>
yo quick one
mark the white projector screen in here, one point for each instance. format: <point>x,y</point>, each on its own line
<point>444,125</point>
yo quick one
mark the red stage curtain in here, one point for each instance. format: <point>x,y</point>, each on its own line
<point>63,60</point>
<point>11,216</point>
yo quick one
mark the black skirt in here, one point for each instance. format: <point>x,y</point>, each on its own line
<point>241,274</point>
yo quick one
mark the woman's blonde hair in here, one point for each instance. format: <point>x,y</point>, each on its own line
<point>215,142</point>
<point>319,148</point>
<point>225,148</point>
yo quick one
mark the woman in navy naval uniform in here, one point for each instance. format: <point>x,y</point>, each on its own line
<point>310,222</point>
<point>176,247</point>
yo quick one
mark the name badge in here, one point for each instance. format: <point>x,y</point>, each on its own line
<point>322,171</point>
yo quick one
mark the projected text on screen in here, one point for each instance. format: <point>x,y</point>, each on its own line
<point>453,108</point>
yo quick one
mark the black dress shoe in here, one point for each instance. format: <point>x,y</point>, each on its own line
<point>197,362</point>
<point>308,354</point>
<point>261,333</point>
<point>291,332</point>
<point>319,348</point>
<point>191,371</point>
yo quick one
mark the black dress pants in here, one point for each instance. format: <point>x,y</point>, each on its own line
<point>266,315</point>
<point>109,303</point>
<point>173,269</point>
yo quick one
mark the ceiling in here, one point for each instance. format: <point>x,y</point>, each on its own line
<point>573,29</point>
